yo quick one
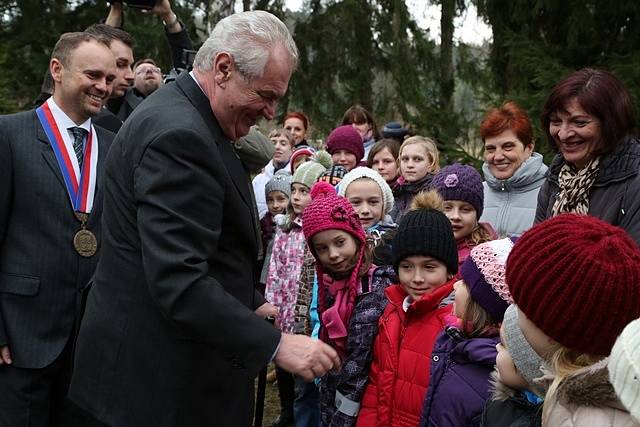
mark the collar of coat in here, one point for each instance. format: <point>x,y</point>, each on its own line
<point>589,386</point>
<point>428,302</point>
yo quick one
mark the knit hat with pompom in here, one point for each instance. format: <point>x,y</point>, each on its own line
<point>309,172</point>
<point>425,230</point>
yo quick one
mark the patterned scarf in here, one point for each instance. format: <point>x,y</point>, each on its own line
<point>575,186</point>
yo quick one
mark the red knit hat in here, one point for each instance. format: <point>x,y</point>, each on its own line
<point>346,138</point>
<point>577,278</point>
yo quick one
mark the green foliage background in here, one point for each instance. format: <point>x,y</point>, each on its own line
<point>371,52</point>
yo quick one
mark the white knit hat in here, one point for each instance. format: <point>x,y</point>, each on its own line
<point>624,368</point>
<point>363,172</point>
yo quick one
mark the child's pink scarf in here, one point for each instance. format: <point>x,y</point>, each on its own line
<point>335,319</point>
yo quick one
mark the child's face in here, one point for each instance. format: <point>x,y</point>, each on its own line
<point>300,197</point>
<point>366,198</point>
<point>462,216</point>
<point>420,274</point>
<point>336,250</point>
<point>277,202</point>
<point>385,164</point>
<point>462,298</point>
<point>344,158</point>
<point>507,370</point>
<point>283,149</point>
<point>415,163</point>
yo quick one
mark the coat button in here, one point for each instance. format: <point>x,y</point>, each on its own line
<point>436,358</point>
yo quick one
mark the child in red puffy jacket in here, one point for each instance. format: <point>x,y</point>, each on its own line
<point>425,257</point>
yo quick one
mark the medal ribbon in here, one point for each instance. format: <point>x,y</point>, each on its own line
<point>80,192</point>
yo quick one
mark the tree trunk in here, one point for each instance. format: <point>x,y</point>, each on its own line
<point>446,54</point>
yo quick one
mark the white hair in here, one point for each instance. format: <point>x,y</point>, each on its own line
<point>248,37</point>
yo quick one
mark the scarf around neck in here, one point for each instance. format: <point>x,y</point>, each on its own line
<point>575,186</point>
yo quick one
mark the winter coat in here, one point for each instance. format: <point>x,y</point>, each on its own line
<point>404,192</point>
<point>614,194</point>
<point>399,374</point>
<point>510,204</point>
<point>341,392</point>
<point>284,271</point>
<point>586,399</point>
<point>459,383</point>
<point>509,408</point>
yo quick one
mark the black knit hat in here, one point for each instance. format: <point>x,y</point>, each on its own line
<point>425,232</point>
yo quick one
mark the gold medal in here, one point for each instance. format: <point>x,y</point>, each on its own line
<point>85,243</point>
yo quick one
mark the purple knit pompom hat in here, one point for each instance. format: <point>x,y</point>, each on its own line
<point>460,182</point>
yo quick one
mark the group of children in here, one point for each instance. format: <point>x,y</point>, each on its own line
<point>437,322</point>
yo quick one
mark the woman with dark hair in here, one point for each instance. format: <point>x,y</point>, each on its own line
<point>589,119</point>
<point>383,158</point>
<point>297,124</point>
<point>513,172</point>
<point>362,120</point>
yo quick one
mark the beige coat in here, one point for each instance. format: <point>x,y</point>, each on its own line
<point>587,399</point>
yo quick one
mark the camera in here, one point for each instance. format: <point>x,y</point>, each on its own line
<point>139,4</point>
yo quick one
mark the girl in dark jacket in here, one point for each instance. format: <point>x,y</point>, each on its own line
<point>464,355</point>
<point>419,160</point>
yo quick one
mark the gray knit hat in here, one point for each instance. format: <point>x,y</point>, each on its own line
<point>527,361</point>
<point>624,368</point>
<point>280,181</point>
<point>363,172</point>
<point>309,172</point>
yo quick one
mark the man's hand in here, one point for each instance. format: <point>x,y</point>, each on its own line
<point>306,357</point>
<point>5,355</point>
<point>267,309</point>
<point>163,10</point>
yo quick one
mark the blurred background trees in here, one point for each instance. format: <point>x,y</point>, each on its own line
<point>371,52</point>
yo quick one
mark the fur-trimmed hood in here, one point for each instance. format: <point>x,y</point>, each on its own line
<point>589,386</point>
<point>500,391</point>
<point>587,399</point>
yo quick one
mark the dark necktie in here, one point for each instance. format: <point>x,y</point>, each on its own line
<point>79,135</point>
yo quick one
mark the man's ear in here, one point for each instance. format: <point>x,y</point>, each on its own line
<point>222,67</point>
<point>55,68</point>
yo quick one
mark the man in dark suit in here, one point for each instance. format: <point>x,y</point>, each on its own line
<point>50,205</point>
<point>173,333</point>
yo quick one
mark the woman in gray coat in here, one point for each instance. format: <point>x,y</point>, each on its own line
<point>589,119</point>
<point>513,172</point>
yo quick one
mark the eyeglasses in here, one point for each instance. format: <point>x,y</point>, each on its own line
<point>145,70</point>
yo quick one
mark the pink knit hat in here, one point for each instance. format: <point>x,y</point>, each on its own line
<point>484,272</point>
<point>328,211</point>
